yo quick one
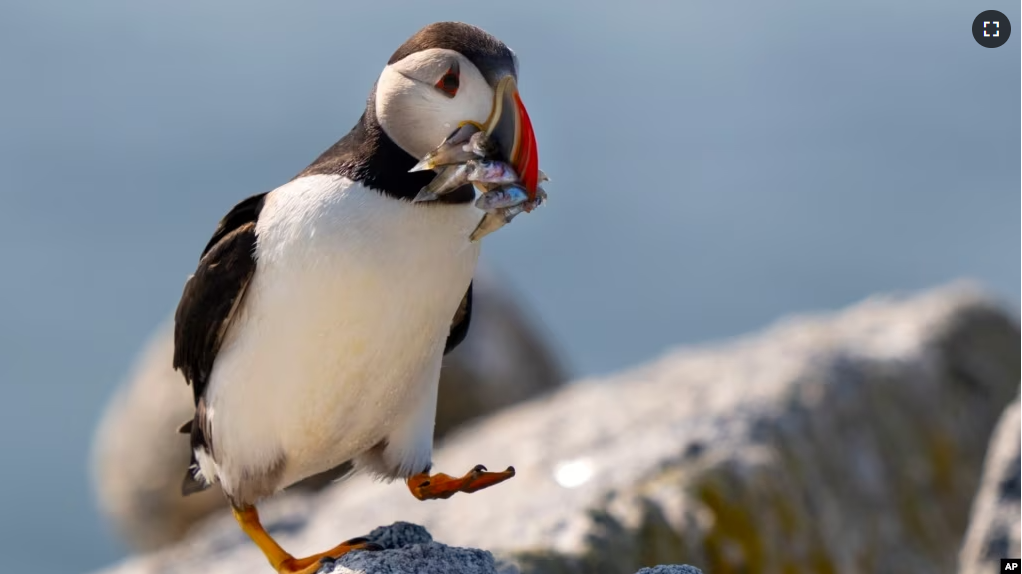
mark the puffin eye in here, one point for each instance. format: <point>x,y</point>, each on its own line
<point>450,81</point>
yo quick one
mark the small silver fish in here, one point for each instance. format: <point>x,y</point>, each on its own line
<point>491,171</point>
<point>491,222</point>
<point>448,179</point>
<point>494,220</point>
<point>502,197</point>
<point>455,149</point>
<point>481,145</point>
<point>500,216</point>
<point>513,211</point>
<point>539,200</point>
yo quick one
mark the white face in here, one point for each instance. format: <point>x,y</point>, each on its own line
<point>416,105</point>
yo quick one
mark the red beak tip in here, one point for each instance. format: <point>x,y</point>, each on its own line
<point>528,156</point>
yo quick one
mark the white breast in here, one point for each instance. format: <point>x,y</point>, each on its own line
<point>342,327</point>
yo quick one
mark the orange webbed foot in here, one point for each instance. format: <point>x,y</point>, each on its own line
<point>311,564</point>
<point>282,561</point>
<point>430,487</point>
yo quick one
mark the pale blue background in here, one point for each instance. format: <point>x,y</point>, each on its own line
<point>716,165</point>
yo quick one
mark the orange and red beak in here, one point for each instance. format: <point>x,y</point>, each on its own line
<point>509,126</point>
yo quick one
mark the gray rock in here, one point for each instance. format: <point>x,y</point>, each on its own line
<point>837,443</point>
<point>399,535</point>
<point>408,548</point>
<point>139,459</point>
<point>995,526</point>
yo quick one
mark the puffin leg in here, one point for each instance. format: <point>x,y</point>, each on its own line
<point>284,563</point>
<point>429,487</point>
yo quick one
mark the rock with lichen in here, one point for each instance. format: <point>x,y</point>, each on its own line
<point>845,443</point>
<point>139,459</point>
<point>995,526</point>
<point>410,548</point>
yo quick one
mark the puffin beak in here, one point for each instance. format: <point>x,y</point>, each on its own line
<point>509,126</point>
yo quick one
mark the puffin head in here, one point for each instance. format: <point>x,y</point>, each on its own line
<point>447,74</point>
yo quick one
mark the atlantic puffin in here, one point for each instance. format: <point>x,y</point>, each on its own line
<point>313,328</point>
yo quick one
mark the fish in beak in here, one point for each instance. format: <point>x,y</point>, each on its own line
<point>499,157</point>
<point>506,135</point>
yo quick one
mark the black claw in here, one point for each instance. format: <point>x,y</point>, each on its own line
<point>511,469</point>
<point>356,541</point>
<point>372,547</point>
<point>479,468</point>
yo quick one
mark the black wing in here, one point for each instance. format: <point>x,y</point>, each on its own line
<point>214,292</point>
<point>460,322</point>
<point>211,297</point>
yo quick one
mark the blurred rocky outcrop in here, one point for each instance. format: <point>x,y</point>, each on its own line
<point>841,443</point>
<point>995,525</point>
<point>139,459</point>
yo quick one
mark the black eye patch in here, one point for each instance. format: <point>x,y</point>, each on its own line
<point>450,81</point>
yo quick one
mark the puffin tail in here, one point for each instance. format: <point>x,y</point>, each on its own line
<point>192,482</point>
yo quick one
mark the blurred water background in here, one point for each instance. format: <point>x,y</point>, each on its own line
<point>715,166</point>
